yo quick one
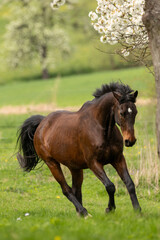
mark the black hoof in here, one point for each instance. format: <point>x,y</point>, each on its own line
<point>109,210</point>
<point>138,209</point>
<point>82,213</point>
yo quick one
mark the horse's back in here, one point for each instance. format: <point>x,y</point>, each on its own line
<point>56,123</point>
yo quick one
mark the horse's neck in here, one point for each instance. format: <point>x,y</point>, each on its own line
<point>103,110</point>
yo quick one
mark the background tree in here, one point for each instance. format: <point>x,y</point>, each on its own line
<point>120,21</point>
<point>34,34</point>
<point>83,41</point>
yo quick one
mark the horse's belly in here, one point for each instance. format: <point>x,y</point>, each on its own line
<point>68,154</point>
<point>72,162</point>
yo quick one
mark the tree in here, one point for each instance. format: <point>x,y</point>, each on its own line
<point>34,34</point>
<point>151,20</point>
<point>135,25</point>
<point>120,21</point>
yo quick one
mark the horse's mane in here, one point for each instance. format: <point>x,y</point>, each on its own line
<point>124,90</point>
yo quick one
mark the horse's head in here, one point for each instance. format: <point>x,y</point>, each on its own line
<point>125,112</point>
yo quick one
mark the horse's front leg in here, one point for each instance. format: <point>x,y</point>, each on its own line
<point>121,168</point>
<point>98,170</point>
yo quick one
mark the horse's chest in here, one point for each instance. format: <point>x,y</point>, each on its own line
<point>108,154</point>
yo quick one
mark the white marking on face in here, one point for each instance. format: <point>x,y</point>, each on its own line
<point>129,110</point>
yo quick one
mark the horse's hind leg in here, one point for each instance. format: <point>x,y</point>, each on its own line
<point>77,180</point>
<point>121,168</point>
<point>98,170</point>
<point>67,191</point>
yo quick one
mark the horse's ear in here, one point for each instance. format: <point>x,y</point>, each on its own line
<point>117,96</point>
<point>135,94</point>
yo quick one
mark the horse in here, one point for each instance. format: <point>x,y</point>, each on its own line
<point>88,138</point>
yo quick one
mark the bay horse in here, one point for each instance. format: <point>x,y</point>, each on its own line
<point>88,138</point>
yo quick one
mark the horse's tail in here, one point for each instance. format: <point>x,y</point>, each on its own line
<point>29,158</point>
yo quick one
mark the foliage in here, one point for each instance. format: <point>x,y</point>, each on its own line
<point>34,33</point>
<point>83,44</point>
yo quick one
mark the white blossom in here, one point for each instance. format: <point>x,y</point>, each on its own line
<point>96,26</point>
<point>57,3</point>
<point>103,39</point>
<point>120,21</point>
<point>125,53</point>
<point>93,16</point>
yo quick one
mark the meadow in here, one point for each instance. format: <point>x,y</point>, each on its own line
<point>50,215</point>
<point>62,90</point>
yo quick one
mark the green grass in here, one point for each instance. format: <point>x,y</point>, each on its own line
<point>23,93</point>
<point>77,87</point>
<point>51,215</point>
<point>81,88</point>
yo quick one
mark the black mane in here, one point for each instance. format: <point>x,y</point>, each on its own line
<point>124,90</point>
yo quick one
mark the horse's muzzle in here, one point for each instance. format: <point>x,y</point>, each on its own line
<point>129,143</point>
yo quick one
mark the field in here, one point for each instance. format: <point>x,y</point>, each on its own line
<point>62,91</point>
<point>51,215</point>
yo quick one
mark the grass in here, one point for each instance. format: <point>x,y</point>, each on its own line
<point>51,215</point>
<point>85,86</point>
<point>77,87</point>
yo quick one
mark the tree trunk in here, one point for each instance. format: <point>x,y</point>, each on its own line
<point>45,74</point>
<point>151,20</point>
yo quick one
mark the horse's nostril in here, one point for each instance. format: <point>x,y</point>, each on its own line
<point>127,143</point>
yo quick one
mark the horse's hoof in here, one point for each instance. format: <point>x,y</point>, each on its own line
<point>109,210</point>
<point>83,213</point>
<point>138,209</point>
<point>88,216</point>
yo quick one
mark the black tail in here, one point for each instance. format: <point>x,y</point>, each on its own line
<point>25,140</point>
